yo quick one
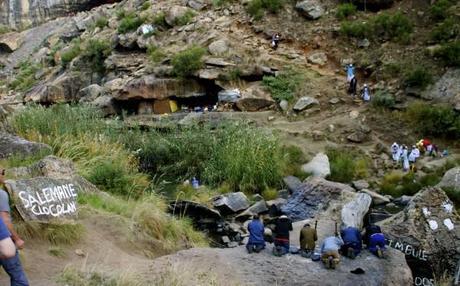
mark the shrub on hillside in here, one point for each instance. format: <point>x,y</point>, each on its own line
<point>95,53</point>
<point>4,29</point>
<point>160,19</point>
<point>448,29</point>
<point>284,85</point>
<point>68,55</point>
<point>436,120</point>
<point>185,63</point>
<point>418,76</point>
<point>449,53</point>
<point>185,19</point>
<point>129,22</point>
<point>383,99</point>
<point>25,78</point>
<point>101,22</point>
<point>356,29</point>
<point>345,10</point>
<point>347,166</point>
<point>439,10</point>
<point>256,8</point>
<point>156,55</point>
<point>146,5</point>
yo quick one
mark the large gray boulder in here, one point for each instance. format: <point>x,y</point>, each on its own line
<point>427,231</point>
<point>310,9</point>
<point>319,166</point>
<point>11,145</point>
<point>446,88</point>
<point>218,47</point>
<point>305,102</point>
<point>10,42</point>
<point>231,202</point>
<point>314,196</point>
<point>377,199</point>
<point>451,179</point>
<point>353,212</point>
<point>174,13</point>
<point>229,95</point>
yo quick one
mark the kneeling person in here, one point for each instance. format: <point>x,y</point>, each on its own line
<point>330,251</point>
<point>256,240</point>
<point>352,242</point>
<point>308,236</point>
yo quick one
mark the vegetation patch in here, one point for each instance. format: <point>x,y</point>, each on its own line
<point>285,85</point>
<point>101,22</point>
<point>72,277</point>
<point>156,55</point>
<point>347,165</point>
<point>56,234</point>
<point>4,29</point>
<point>449,53</point>
<point>436,120</point>
<point>440,9</point>
<point>25,78</point>
<point>256,8</point>
<point>129,22</point>
<point>345,10</point>
<point>185,19</point>
<point>187,62</point>
<point>95,53</point>
<point>72,52</point>
<point>383,99</point>
<point>448,29</point>
<point>418,76</point>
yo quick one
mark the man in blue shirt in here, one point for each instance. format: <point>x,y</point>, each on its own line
<point>352,242</point>
<point>256,240</point>
<point>12,265</point>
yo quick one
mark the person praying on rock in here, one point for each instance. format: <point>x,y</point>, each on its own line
<point>282,228</point>
<point>352,242</point>
<point>366,94</point>
<point>330,251</point>
<point>308,236</point>
<point>414,154</point>
<point>395,152</point>
<point>405,159</point>
<point>352,86</point>
<point>350,72</point>
<point>275,40</point>
<point>375,240</point>
<point>256,240</point>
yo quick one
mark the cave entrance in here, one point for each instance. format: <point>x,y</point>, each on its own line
<point>95,3</point>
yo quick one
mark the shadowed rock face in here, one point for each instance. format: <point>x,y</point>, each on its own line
<point>12,145</point>
<point>21,13</point>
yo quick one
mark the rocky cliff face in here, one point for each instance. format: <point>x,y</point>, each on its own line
<point>23,13</point>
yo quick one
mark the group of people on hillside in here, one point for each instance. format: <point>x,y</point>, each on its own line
<point>349,243</point>
<point>407,158</point>
<point>353,84</point>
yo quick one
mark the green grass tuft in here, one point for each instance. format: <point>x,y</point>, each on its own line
<point>347,165</point>
<point>187,62</point>
<point>345,10</point>
<point>283,86</point>
<point>25,77</point>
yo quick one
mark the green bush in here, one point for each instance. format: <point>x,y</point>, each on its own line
<point>356,29</point>
<point>383,99</point>
<point>129,22</point>
<point>160,19</point>
<point>156,55</point>
<point>436,120</point>
<point>256,8</point>
<point>393,26</point>
<point>445,31</point>
<point>283,86</point>
<point>185,19</point>
<point>439,10</point>
<point>345,10</point>
<point>397,184</point>
<point>347,165</point>
<point>392,70</point>
<point>101,22</point>
<point>418,76</point>
<point>146,5</point>
<point>454,196</point>
<point>269,194</point>
<point>449,53</point>
<point>4,29</point>
<point>187,62</point>
<point>219,3</point>
<point>68,55</point>
<point>25,78</point>
<point>109,176</point>
<point>95,52</point>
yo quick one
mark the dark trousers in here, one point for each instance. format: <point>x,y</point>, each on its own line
<point>254,248</point>
<point>13,267</point>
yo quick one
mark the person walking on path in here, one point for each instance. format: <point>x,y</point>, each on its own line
<point>282,228</point>
<point>350,72</point>
<point>395,152</point>
<point>256,240</point>
<point>308,237</point>
<point>366,93</point>
<point>405,159</point>
<point>12,265</point>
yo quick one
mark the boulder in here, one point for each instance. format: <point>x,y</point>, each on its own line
<point>357,137</point>
<point>254,98</point>
<point>257,208</point>
<point>377,199</point>
<point>150,87</point>
<point>360,184</point>
<point>90,93</point>
<point>310,9</point>
<point>353,212</point>
<point>305,102</point>
<point>106,105</point>
<point>427,231</point>
<point>10,42</point>
<point>218,47</point>
<point>174,13</point>
<point>209,73</point>
<point>292,183</point>
<point>229,95</point>
<point>314,196</point>
<point>196,4</point>
<point>11,145</point>
<point>318,166</point>
<point>198,212</point>
<point>284,105</point>
<point>446,88</point>
<point>317,58</point>
<point>231,203</point>
<point>451,179</point>
<point>128,40</point>
<point>403,200</point>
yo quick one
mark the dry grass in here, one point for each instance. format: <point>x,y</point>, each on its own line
<point>90,277</point>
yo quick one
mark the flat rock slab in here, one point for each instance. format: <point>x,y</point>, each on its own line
<point>305,102</point>
<point>13,145</point>
<point>231,202</point>
<point>319,166</point>
<point>353,212</point>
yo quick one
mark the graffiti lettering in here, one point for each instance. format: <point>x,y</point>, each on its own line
<point>408,249</point>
